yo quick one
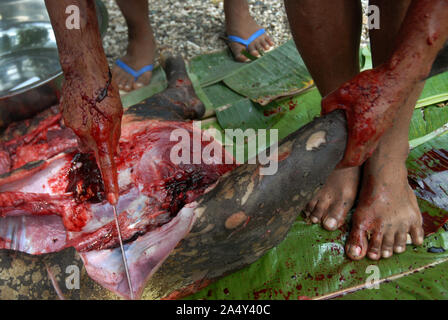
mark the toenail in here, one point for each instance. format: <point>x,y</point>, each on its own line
<point>373,255</point>
<point>386,254</point>
<point>355,251</point>
<point>330,223</point>
<point>399,249</point>
<point>314,220</point>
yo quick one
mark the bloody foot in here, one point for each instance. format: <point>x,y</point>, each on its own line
<point>240,23</point>
<point>141,50</point>
<point>332,203</point>
<point>387,212</point>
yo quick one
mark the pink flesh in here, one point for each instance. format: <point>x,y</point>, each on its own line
<point>144,255</point>
<point>39,216</point>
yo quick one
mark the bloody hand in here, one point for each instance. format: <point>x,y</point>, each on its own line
<point>91,107</point>
<point>370,101</point>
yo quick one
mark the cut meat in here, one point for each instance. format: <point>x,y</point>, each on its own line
<point>221,226</point>
<point>59,201</point>
<point>69,185</point>
<point>52,196</point>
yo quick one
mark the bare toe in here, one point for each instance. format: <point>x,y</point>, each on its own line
<point>400,242</point>
<point>336,216</point>
<point>265,44</point>
<point>310,207</point>
<point>357,244</point>
<point>143,80</point>
<point>237,52</point>
<point>374,252</point>
<point>417,235</point>
<point>387,248</point>
<point>253,50</point>
<point>332,203</point>
<point>319,211</point>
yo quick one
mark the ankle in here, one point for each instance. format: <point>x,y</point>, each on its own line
<point>386,168</point>
<point>138,48</point>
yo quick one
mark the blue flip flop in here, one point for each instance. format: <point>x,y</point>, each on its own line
<point>247,42</point>
<point>131,71</point>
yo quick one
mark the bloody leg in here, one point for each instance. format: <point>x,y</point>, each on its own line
<point>329,45</point>
<point>90,102</point>
<point>371,100</point>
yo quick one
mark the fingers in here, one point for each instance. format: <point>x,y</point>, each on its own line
<point>108,168</point>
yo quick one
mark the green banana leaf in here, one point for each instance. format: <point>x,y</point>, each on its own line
<point>214,67</point>
<point>426,123</point>
<point>435,91</point>
<point>310,262</point>
<point>158,84</point>
<point>428,284</point>
<point>315,265</point>
<point>278,73</point>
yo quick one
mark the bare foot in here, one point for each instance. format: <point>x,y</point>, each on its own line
<point>240,23</point>
<point>141,52</point>
<point>387,212</point>
<point>332,203</point>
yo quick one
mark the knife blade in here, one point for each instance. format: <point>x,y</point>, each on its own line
<point>123,254</point>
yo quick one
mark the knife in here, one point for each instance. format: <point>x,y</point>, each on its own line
<point>123,254</point>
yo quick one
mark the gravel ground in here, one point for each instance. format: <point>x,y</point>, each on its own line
<point>193,27</point>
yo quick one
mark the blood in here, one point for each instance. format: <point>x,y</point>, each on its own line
<point>436,160</point>
<point>433,223</point>
<point>372,99</point>
<point>39,142</point>
<point>319,277</point>
<point>292,105</point>
<point>268,113</point>
<point>5,243</point>
<point>85,180</point>
<point>258,293</point>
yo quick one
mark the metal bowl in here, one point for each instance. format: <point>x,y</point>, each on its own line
<point>30,73</point>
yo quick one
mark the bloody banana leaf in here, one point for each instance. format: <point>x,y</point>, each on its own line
<point>278,73</point>
<point>429,284</point>
<point>311,263</point>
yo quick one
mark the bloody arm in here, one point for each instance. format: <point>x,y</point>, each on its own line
<point>371,99</point>
<point>90,101</point>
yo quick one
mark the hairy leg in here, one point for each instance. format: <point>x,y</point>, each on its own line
<point>387,209</point>
<point>329,45</point>
<point>240,23</point>
<point>141,44</point>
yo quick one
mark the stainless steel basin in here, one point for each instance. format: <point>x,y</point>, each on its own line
<point>30,73</point>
